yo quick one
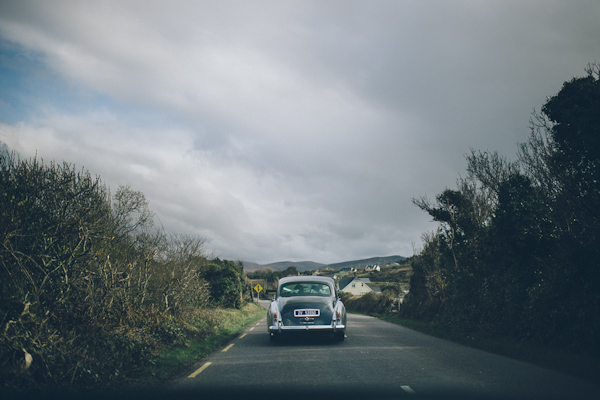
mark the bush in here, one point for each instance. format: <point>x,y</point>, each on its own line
<point>225,280</point>
<point>517,247</point>
<point>90,289</point>
<point>370,303</point>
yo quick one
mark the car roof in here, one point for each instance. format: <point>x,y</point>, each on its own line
<point>306,279</point>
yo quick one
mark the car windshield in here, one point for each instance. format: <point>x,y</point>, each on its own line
<point>305,289</point>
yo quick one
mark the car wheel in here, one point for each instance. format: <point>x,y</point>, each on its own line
<point>339,336</point>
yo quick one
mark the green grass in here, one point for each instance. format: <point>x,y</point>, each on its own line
<point>173,362</point>
<point>580,364</point>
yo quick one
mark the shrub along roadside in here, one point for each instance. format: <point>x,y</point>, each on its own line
<point>370,303</point>
<point>91,291</point>
<point>516,250</point>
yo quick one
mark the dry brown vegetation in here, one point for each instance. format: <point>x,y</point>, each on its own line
<point>91,289</point>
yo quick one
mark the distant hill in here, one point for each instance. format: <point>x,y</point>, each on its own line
<point>367,261</point>
<point>302,266</point>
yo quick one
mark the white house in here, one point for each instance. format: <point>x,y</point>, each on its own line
<point>357,286</point>
<point>372,268</point>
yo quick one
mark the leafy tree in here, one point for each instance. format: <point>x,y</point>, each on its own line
<point>428,284</point>
<point>576,126</point>
<point>522,236</point>
<point>226,281</point>
<point>574,114</point>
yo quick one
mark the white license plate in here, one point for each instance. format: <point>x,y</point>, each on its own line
<point>307,313</point>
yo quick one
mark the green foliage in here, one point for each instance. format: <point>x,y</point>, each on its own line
<point>429,280</point>
<point>370,303</point>
<point>576,129</point>
<point>226,282</point>
<point>517,249</point>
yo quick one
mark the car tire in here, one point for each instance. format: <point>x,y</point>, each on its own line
<point>339,336</point>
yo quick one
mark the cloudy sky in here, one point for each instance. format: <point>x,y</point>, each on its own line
<point>284,130</point>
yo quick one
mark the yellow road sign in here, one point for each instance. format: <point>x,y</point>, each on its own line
<point>258,288</point>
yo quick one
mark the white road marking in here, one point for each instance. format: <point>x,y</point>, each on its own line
<point>202,368</point>
<point>407,389</point>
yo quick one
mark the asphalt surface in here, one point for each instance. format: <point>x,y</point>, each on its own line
<point>377,360</point>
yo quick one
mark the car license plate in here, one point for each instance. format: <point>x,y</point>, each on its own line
<point>307,313</point>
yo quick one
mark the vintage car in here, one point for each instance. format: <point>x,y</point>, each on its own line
<point>306,304</point>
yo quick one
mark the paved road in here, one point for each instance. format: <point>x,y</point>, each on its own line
<point>378,358</point>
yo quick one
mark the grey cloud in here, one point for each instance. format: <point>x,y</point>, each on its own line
<point>294,130</point>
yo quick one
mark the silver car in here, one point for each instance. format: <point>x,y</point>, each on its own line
<point>304,304</point>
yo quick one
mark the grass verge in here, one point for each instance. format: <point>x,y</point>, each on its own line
<point>172,362</point>
<point>579,364</point>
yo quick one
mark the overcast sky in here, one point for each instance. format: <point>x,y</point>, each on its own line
<point>284,130</point>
